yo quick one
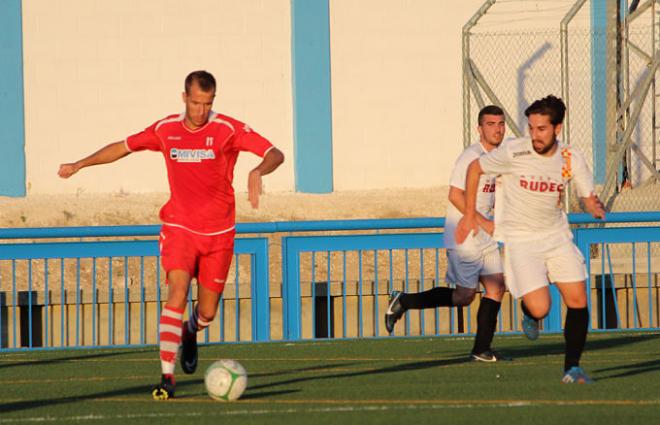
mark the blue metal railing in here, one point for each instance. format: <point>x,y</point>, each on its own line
<point>294,226</point>
<point>80,324</point>
<point>625,237</point>
<point>378,263</point>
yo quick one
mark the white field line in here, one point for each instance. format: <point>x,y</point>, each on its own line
<point>439,405</point>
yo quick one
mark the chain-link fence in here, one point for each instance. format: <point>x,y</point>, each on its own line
<point>513,56</point>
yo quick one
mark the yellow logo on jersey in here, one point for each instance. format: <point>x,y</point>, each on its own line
<point>566,171</point>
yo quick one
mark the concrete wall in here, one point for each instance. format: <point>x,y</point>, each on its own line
<point>396,74</point>
<point>97,71</point>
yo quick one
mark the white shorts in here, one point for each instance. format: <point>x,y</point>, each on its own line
<point>465,266</point>
<point>531,265</point>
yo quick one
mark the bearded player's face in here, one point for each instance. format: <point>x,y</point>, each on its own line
<point>198,106</point>
<point>491,129</point>
<point>543,134</point>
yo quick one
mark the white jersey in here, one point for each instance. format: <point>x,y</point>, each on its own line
<point>528,199</point>
<point>485,199</point>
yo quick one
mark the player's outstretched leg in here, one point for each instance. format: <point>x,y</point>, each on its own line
<point>170,339</point>
<point>530,325</point>
<point>401,301</point>
<point>394,310</point>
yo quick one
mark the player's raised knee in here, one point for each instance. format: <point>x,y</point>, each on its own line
<point>205,315</point>
<point>495,292</point>
<point>538,311</point>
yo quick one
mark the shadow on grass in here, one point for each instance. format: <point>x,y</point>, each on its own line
<point>256,392</point>
<point>138,390</point>
<point>396,368</point>
<point>249,395</point>
<point>65,358</point>
<point>534,348</point>
<point>302,369</point>
<point>123,392</point>
<point>630,369</point>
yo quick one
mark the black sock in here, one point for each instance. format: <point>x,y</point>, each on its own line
<point>575,334</point>
<point>486,323</point>
<point>436,297</point>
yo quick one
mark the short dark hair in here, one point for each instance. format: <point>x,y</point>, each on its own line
<point>551,106</point>
<point>204,80</point>
<point>489,110</point>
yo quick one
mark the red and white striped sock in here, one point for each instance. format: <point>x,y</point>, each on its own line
<point>196,323</point>
<point>171,322</point>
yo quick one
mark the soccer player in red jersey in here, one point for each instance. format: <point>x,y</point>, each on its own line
<point>200,148</point>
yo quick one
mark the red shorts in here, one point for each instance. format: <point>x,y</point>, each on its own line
<point>206,258</point>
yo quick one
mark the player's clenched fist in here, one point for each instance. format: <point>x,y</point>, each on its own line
<point>67,170</point>
<point>466,225</point>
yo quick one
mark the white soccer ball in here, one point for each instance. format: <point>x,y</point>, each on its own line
<point>225,380</point>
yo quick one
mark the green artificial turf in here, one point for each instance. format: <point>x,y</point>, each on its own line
<point>377,381</point>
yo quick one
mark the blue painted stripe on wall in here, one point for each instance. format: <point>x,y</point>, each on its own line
<point>599,88</point>
<point>12,137</point>
<point>312,102</point>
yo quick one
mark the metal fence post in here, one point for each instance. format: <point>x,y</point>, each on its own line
<point>290,291</point>
<point>260,290</point>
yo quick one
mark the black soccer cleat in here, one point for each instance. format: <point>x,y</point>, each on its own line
<point>489,356</point>
<point>394,311</point>
<point>188,351</point>
<point>164,390</point>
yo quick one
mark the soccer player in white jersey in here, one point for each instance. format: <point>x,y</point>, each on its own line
<point>529,219</point>
<point>478,258</point>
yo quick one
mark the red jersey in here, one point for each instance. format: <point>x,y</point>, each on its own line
<point>200,168</point>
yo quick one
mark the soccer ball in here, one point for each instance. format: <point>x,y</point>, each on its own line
<point>225,380</point>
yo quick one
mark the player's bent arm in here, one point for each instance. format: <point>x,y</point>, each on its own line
<point>468,224</point>
<point>273,159</point>
<point>457,198</point>
<point>583,179</point>
<point>105,155</point>
<point>474,172</point>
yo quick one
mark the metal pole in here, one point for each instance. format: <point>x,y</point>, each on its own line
<point>647,163</point>
<point>474,88</point>
<point>655,96</point>
<point>635,12</point>
<point>467,126</point>
<point>493,98</point>
<point>565,91</point>
<point>626,139</point>
<point>624,86</point>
